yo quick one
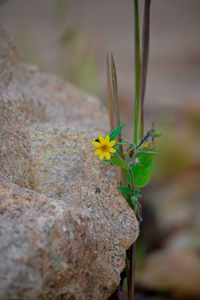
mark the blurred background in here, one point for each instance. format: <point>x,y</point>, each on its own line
<point>71,38</point>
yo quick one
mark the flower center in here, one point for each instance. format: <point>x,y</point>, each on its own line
<point>104,148</point>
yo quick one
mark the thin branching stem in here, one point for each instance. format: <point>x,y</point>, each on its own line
<point>145,56</point>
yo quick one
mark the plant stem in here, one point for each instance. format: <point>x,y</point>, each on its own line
<point>132,182</point>
<point>132,272</point>
<point>115,92</point>
<point>145,56</point>
<point>131,285</point>
<point>137,73</point>
<point>109,95</point>
<point>131,290</point>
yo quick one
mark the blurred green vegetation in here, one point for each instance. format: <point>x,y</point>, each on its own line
<point>177,149</point>
<point>75,61</point>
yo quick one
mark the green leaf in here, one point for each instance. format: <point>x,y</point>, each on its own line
<point>125,190</point>
<point>121,143</point>
<point>128,143</point>
<point>157,133</point>
<point>143,170</point>
<point>136,191</point>
<point>116,131</point>
<point>117,151</point>
<point>118,162</point>
<point>138,196</point>
<point>133,200</point>
<point>144,151</point>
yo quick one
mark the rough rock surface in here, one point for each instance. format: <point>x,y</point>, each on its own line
<point>64,228</point>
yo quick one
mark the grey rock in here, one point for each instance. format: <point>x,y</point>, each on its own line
<point>64,227</point>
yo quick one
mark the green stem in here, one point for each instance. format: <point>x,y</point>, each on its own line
<point>137,73</point>
<point>131,290</point>
<point>132,182</point>
<point>145,56</point>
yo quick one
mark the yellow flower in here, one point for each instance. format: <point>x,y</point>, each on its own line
<point>104,147</point>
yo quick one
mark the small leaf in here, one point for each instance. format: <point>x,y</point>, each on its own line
<point>143,170</point>
<point>133,200</point>
<point>116,131</point>
<point>117,151</point>
<point>128,143</point>
<point>137,191</point>
<point>157,133</point>
<point>118,162</point>
<point>117,144</point>
<point>125,190</point>
<point>138,196</point>
<point>144,151</point>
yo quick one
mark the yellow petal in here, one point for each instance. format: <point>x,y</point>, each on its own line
<point>101,155</point>
<point>101,139</point>
<point>112,143</point>
<point>107,139</point>
<point>107,155</point>
<point>96,144</point>
<point>112,150</point>
<point>98,151</point>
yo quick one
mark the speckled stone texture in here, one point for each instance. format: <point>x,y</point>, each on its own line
<point>64,228</point>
